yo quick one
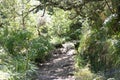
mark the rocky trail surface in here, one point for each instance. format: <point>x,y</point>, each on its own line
<point>60,66</point>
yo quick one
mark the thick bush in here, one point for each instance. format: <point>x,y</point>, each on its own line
<point>20,50</point>
<point>15,67</point>
<point>39,49</point>
<point>14,44</point>
<point>75,30</point>
<point>99,50</point>
<point>16,41</point>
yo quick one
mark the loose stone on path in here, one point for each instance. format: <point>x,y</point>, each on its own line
<point>60,66</point>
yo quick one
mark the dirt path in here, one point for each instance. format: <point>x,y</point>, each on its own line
<point>59,67</point>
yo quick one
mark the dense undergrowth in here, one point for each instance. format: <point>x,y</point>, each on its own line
<point>99,51</point>
<point>22,48</point>
<point>20,52</point>
<point>27,37</point>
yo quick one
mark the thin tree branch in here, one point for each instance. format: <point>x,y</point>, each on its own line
<point>44,10</point>
<point>32,10</point>
<point>109,7</point>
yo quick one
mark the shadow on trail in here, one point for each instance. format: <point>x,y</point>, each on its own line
<point>59,67</point>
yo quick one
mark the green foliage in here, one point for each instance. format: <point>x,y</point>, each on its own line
<point>20,51</point>
<point>59,28</point>
<point>16,68</point>
<point>75,29</point>
<point>99,45</point>
<point>20,42</point>
<point>98,49</point>
<point>39,49</point>
<point>62,28</point>
<point>15,44</point>
<point>111,24</point>
<point>16,41</point>
<point>84,74</point>
<point>114,51</point>
<point>92,50</point>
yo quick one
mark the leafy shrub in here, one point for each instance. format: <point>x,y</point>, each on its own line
<point>16,68</point>
<point>93,49</point>
<point>99,50</point>
<point>111,24</point>
<point>59,27</point>
<point>16,41</point>
<point>14,44</point>
<point>84,74</point>
<point>39,49</point>
<point>75,30</point>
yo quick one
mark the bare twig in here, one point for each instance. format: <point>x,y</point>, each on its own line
<point>109,7</point>
<point>32,10</point>
<point>44,10</point>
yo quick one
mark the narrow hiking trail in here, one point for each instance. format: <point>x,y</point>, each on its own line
<point>60,66</point>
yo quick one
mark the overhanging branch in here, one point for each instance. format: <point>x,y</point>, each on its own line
<point>32,10</point>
